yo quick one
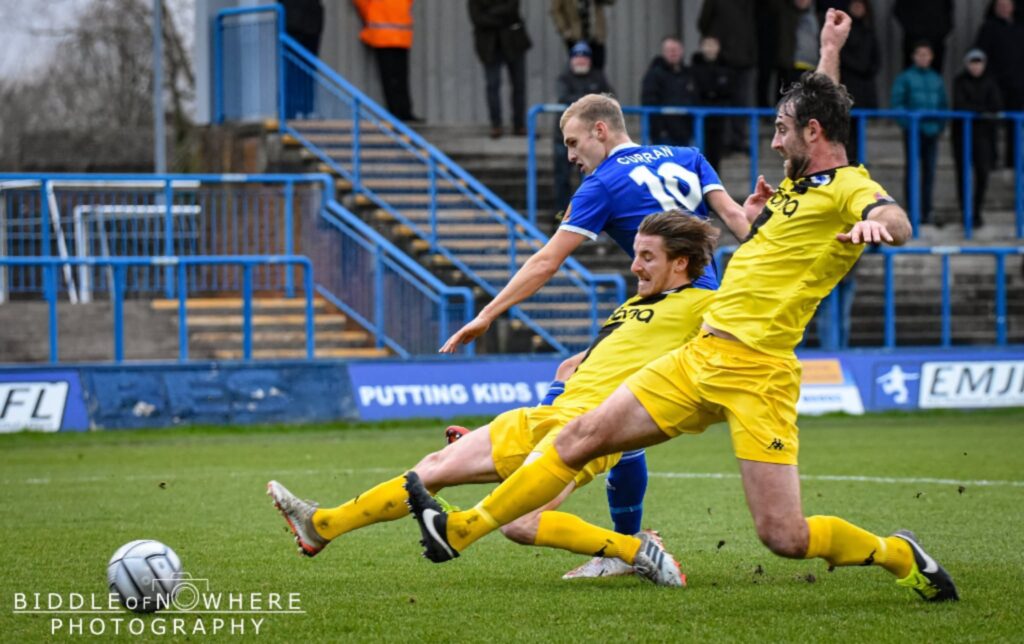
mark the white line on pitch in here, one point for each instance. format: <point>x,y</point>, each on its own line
<point>853,479</point>
<point>185,476</point>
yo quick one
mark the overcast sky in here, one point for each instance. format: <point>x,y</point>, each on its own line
<point>30,30</point>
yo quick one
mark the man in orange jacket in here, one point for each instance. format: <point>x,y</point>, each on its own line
<point>388,29</point>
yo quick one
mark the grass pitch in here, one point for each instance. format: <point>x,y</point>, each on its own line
<point>955,478</point>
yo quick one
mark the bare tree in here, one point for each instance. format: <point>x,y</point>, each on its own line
<point>95,95</point>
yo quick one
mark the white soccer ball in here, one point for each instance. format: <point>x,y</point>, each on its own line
<point>145,574</point>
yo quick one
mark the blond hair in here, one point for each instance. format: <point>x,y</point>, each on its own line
<point>593,108</point>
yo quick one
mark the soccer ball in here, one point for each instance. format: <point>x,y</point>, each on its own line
<point>145,574</point>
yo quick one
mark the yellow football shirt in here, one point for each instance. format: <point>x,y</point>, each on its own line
<point>792,260</point>
<point>639,331</point>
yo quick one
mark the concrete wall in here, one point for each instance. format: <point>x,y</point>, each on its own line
<point>447,80</point>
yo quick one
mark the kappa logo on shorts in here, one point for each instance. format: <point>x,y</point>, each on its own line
<point>776,445</point>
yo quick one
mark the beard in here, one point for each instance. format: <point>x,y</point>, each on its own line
<point>796,166</point>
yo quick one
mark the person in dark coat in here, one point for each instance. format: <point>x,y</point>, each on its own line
<point>924,20</point>
<point>1002,40</point>
<point>859,63</point>
<point>579,78</point>
<point>797,45</point>
<point>714,85</point>
<point>303,21</point>
<point>732,23</point>
<point>500,39</point>
<point>668,82</point>
<point>974,90</point>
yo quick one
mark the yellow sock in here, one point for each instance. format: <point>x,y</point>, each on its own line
<point>841,543</point>
<point>529,487</point>
<point>386,502</point>
<point>569,532</point>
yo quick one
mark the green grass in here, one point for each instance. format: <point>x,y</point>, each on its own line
<point>71,500</point>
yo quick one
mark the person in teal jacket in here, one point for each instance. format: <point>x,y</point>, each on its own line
<point>919,87</point>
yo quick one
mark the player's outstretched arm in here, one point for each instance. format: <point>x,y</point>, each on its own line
<point>732,213</point>
<point>834,33</point>
<point>885,225</point>
<point>534,274</point>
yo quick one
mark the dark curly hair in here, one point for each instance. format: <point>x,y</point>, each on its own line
<point>816,96</point>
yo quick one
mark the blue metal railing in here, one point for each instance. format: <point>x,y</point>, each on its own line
<point>756,115</point>
<point>889,254</point>
<point>187,215</point>
<point>97,215</point>
<point>382,288</point>
<point>444,182</point>
<point>51,265</point>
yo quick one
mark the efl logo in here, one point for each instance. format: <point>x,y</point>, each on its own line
<point>32,405</point>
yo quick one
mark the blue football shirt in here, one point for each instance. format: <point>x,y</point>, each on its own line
<point>636,181</point>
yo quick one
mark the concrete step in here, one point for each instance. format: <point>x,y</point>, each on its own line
<point>220,321</point>
<point>236,303</point>
<point>275,338</point>
<point>287,354</point>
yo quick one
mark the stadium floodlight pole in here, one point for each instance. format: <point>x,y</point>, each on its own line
<point>159,137</point>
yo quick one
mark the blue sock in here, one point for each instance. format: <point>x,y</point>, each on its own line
<point>555,390</point>
<point>627,483</point>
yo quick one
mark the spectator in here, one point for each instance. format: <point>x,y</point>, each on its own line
<point>1002,39</point>
<point>303,21</point>
<point>576,81</point>
<point>578,20</point>
<point>732,23</point>
<point>766,18</point>
<point>974,90</point>
<point>927,20</point>
<point>500,39</point>
<point>798,40</point>
<point>669,82</point>
<point>388,30</point>
<point>859,64</point>
<point>714,88</point>
<point>920,87</point>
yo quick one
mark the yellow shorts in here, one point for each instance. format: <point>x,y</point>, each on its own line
<point>709,380</point>
<point>516,433</point>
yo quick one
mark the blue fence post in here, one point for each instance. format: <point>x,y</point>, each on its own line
<point>378,296</point>
<point>279,58</point>
<point>862,139</point>
<point>968,183</point>
<point>755,149</point>
<point>1001,298</point>
<point>168,238</point>
<point>307,281</point>
<point>914,173</point>
<point>247,311</point>
<point>182,314</point>
<point>118,297</point>
<point>946,302</point>
<point>289,237</point>
<point>218,70</point>
<point>50,288</point>
<point>699,117</point>
<point>890,303</point>
<point>531,163</point>
<point>432,205</point>
<point>442,319</point>
<point>356,132</point>
<point>1018,167</point>
<point>830,339</point>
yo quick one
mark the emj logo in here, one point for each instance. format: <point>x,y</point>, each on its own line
<point>972,384</point>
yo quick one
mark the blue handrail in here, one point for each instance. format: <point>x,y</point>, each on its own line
<point>889,254</point>
<point>439,164</point>
<point>914,117</point>
<point>247,262</point>
<point>459,298</point>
